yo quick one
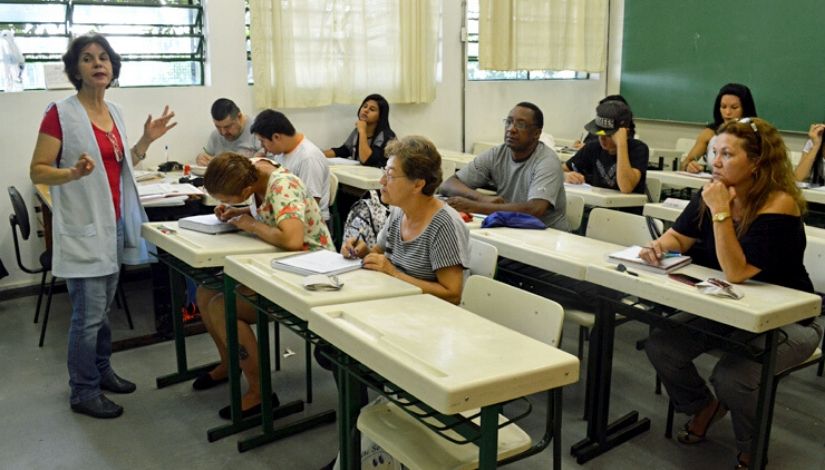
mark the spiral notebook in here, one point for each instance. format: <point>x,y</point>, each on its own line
<point>630,257</point>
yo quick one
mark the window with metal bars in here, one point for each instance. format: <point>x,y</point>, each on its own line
<point>161,42</point>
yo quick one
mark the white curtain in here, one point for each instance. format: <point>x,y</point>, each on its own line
<point>543,35</point>
<point>318,52</point>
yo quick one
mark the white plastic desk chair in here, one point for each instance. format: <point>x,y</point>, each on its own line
<point>574,211</point>
<point>483,258</point>
<point>654,187</point>
<point>419,448</point>
<point>684,144</point>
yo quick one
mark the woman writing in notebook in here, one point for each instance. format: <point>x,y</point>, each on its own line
<point>284,215</point>
<point>734,101</point>
<point>372,133</point>
<point>424,241</point>
<point>82,152</point>
<point>810,167</point>
<point>747,222</point>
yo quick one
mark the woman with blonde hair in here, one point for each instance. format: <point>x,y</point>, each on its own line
<point>747,222</point>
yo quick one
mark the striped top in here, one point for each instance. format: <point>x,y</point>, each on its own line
<point>444,243</point>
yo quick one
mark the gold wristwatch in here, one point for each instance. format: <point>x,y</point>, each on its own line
<point>720,216</point>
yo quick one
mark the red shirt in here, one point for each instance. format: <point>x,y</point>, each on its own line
<point>106,142</point>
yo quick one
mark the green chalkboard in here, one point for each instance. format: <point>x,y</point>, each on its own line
<point>677,54</point>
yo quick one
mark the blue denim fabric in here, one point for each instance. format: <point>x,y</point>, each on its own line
<point>90,338</point>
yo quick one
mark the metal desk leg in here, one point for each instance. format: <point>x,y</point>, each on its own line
<point>231,316</point>
<point>349,439</point>
<point>601,435</point>
<point>488,444</point>
<point>184,373</point>
<point>764,413</point>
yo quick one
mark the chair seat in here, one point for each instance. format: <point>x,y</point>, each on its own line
<point>418,447</point>
<point>46,260</point>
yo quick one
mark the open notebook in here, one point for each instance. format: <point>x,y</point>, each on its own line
<point>316,262</point>
<point>630,258</point>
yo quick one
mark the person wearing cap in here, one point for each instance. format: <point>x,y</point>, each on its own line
<point>526,173</point>
<point>617,160</point>
<point>588,137</point>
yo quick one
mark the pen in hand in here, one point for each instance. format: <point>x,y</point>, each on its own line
<point>352,249</point>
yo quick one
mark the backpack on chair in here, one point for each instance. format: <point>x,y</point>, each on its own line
<point>366,217</point>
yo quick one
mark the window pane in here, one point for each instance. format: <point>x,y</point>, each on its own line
<point>148,45</point>
<point>160,73</point>
<point>115,14</point>
<point>23,13</point>
<point>42,45</point>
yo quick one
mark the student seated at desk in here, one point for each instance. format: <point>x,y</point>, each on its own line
<point>589,136</point>
<point>372,133</point>
<point>424,241</point>
<point>284,215</point>
<point>526,173</point>
<point>616,160</point>
<point>734,101</point>
<point>748,223</point>
<point>232,133</point>
<point>810,166</point>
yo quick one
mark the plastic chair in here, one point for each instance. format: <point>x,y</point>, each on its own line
<point>20,219</point>
<point>684,144</point>
<point>574,211</point>
<point>483,258</point>
<point>654,188</point>
<point>417,447</point>
<point>335,224</point>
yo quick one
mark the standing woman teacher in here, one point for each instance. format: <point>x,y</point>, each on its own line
<point>83,154</point>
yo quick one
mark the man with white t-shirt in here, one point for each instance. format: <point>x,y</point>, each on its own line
<point>296,153</point>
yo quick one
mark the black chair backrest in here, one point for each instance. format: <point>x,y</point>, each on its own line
<point>21,214</point>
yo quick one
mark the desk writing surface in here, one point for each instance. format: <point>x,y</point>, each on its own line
<point>361,177</point>
<point>550,250</point>
<point>287,290</point>
<point>452,359</point>
<point>764,306</point>
<point>678,180</point>
<point>658,210</point>
<point>814,195</point>
<point>603,197</point>
<point>202,250</point>
<point>461,159</point>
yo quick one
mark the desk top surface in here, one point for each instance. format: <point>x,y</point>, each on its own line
<point>358,176</point>
<point>202,250</point>
<point>763,307</point>
<point>816,195</point>
<point>551,250</point>
<point>603,197</point>
<point>452,359</point>
<point>461,159</point>
<point>660,211</point>
<point>287,290</point>
<point>678,179</point>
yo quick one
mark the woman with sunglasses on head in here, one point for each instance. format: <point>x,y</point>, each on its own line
<point>285,215</point>
<point>734,101</point>
<point>83,154</point>
<point>372,133</point>
<point>810,166</point>
<point>747,222</point>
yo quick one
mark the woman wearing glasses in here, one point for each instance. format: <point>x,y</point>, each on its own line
<point>734,101</point>
<point>424,241</point>
<point>747,222</point>
<point>83,154</point>
<point>286,216</point>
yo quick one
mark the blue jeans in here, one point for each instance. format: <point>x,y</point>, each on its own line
<point>90,338</point>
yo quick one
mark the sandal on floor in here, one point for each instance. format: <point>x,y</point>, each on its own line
<point>685,436</point>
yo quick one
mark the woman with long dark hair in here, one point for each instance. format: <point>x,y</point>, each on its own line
<point>372,133</point>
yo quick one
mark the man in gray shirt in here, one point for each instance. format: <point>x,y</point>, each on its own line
<point>527,174</point>
<point>231,134</point>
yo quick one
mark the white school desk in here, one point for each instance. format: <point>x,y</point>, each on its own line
<point>187,254</point>
<point>603,197</point>
<point>815,195</point>
<point>461,159</point>
<point>678,179</point>
<point>658,210</point>
<point>358,176</point>
<point>451,359</point>
<point>289,303</point>
<point>549,249</point>
<point>763,309</point>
